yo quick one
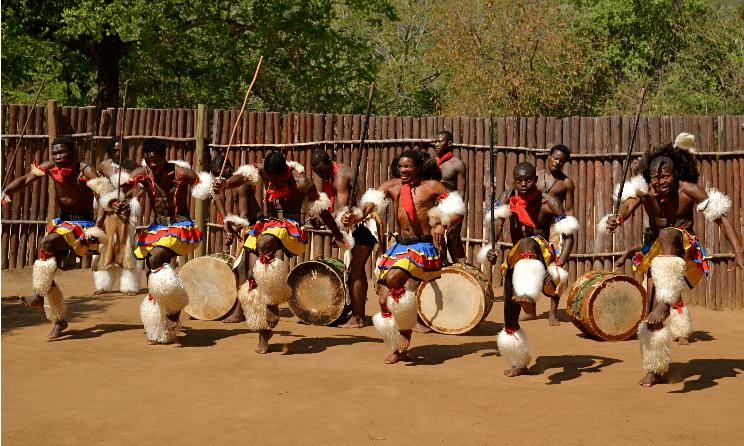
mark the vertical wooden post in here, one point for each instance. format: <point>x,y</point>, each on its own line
<point>52,132</point>
<point>199,206</point>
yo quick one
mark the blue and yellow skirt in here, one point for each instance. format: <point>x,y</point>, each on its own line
<point>181,237</point>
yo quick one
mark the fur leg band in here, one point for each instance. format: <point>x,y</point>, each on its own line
<point>514,348</point>
<point>528,278</point>
<point>271,281</point>
<point>679,321</point>
<point>404,309</point>
<point>668,274</point>
<point>656,348</point>
<point>167,289</point>
<point>152,314</point>
<point>54,305</point>
<point>43,276</point>
<point>254,305</point>
<point>559,276</point>
<point>104,280</point>
<point>129,281</point>
<point>386,327</point>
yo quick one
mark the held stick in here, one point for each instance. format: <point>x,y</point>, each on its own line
<point>121,139</point>
<point>493,198</point>
<point>365,125</point>
<point>25,125</point>
<point>242,109</point>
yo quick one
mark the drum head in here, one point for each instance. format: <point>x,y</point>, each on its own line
<point>210,284</point>
<point>618,308</point>
<point>318,293</point>
<point>456,302</point>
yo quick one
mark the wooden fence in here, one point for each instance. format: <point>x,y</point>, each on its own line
<point>599,145</point>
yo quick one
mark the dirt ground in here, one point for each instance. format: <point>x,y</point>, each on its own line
<point>102,384</point>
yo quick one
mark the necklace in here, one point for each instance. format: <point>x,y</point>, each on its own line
<point>545,180</point>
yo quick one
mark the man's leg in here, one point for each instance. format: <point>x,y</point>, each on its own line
<point>161,309</point>
<point>267,247</point>
<point>47,295</point>
<point>357,285</point>
<point>398,312</point>
<point>242,273</point>
<point>455,246</point>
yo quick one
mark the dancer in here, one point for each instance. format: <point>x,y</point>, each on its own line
<point>424,210</point>
<point>666,185</point>
<point>454,178</point>
<point>75,184</point>
<point>531,267</point>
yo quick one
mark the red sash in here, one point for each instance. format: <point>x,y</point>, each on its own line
<point>518,205</point>
<point>444,158</point>
<point>274,193</point>
<point>406,200</point>
<point>58,173</point>
<point>328,187</point>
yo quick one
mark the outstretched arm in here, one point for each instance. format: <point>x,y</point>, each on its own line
<point>715,206</point>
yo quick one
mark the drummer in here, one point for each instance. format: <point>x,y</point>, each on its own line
<point>173,234</point>
<point>336,181</point>
<point>529,214</point>
<point>454,178</point>
<point>280,234</point>
<point>666,185</point>
<point>558,185</point>
<point>424,210</point>
<point>246,205</point>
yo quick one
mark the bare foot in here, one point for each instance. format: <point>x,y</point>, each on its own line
<point>527,317</point>
<point>682,341</point>
<point>421,328</point>
<point>515,371</point>
<point>650,379</point>
<point>658,314</point>
<point>99,292</point>
<point>34,301</point>
<point>172,323</point>
<point>57,329</point>
<point>131,293</point>
<point>354,322</point>
<point>395,357</point>
<point>553,319</point>
<point>263,341</point>
<point>404,340</point>
<point>236,316</point>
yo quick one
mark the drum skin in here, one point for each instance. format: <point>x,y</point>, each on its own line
<point>456,302</point>
<point>607,306</point>
<point>210,284</point>
<point>318,291</point>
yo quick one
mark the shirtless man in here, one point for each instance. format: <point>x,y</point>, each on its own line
<point>666,186</point>
<point>530,268</point>
<point>269,239</point>
<point>246,205</point>
<point>116,255</point>
<point>552,181</point>
<point>75,184</point>
<point>335,180</point>
<point>454,178</point>
<point>424,210</point>
<point>173,234</point>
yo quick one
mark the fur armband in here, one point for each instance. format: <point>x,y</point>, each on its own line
<point>355,212</point>
<point>100,185</point>
<point>314,208</point>
<point>135,209</point>
<point>122,178</point>
<point>180,163</point>
<point>250,172</point>
<point>448,207</point>
<point>106,198</point>
<point>635,187</point>
<point>375,197</point>
<point>502,211</point>
<point>296,166</point>
<point>715,206</point>
<point>567,225</point>
<point>237,221</point>
<point>602,225</point>
<point>37,171</point>
<point>482,255</point>
<point>6,198</point>
<point>202,189</point>
<point>94,232</point>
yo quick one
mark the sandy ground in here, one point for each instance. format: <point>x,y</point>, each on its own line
<point>102,384</point>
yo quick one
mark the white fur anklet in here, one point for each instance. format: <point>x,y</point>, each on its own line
<point>254,307</point>
<point>104,280</point>
<point>54,305</point>
<point>152,315</point>
<point>43,275</point>
<point>514,348</point>
<point>656,348</point>
<point>528,278</point>
<point>668,274</point>
<point>404,310</point>
<point>272,281</point>
<point>129,280</point>
<point>386,327</point>
<point>680,322</point>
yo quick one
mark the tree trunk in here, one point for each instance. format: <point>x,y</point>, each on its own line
<point>106,55</point>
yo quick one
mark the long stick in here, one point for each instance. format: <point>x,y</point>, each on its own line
<point>25,125</point>
<point>121,139</point>
<point>242,109</point>
<point>630,150</point>
<point>365,125</point>
<point>493,197</point>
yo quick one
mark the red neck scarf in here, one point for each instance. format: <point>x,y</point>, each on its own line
<point>58,173</point>
<point>444,158</point>
<point>274,193</point>
<point>518,205</point>
<point>328,187</point>
<point>406,199</point>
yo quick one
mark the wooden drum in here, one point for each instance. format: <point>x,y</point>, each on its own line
<point>318,291</point>
<point>210,284</point>
<point>606,305</point>
<point>456,302</point>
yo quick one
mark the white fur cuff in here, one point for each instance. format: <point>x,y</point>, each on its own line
<point>405,310</point>
<point>482,254</point>
<point>715,206</point>
<point>635,187</point>
<point>202,190</point>
<point>656,348</point>
<point>446,211</point>
<point>106,198</point>
<point>602,225</point>
<point>250,172</point>
<point>559,276</point>
<point>100,185</point>
<point>567,226</point>
<point>314,208</point>
<point>375,197</point>
<point>528,278</point>
<point>237,221</point>
<point>299,168</point>
<point>514,348</point>
<point>668,274</point>
<point>502,211</point>
<point>386,327</point>
<point>94,232</point>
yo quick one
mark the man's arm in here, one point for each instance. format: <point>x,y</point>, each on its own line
<point>715,206</point>
<point>25,180</point>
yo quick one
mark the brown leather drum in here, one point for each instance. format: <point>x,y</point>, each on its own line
<point>607,306</point>
<point>456,302</point>
<point>210,284</point>
<point>318,291</point>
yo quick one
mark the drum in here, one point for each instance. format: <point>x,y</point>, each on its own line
<point>456,302</point>
<point>318,294</point>
<point>210,284</point>
<point>606,305</point>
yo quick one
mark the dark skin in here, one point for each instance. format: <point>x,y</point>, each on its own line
<point>357,278</point>
<point>553,182</point>
<point>454,177</point>
<point>73,197</point>
<point>424,198</point>
<point>670,203</point>
<point>270,246</point>
<point>542,210</point>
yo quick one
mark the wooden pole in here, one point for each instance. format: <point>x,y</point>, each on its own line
<point>52,132</point>
<point>199,208</point>
<point>365,125</point>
